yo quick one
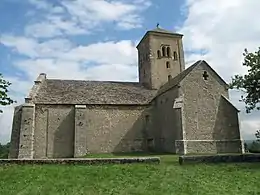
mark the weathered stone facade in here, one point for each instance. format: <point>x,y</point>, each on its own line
<point>171,109</point>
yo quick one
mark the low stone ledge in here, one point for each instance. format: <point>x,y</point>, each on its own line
<point>225,158</point>
<point>81,161</point>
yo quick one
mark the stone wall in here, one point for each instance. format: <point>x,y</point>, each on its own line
<point>153,71</point>
<point>54,131</point>
<point>68,130</point>
<point>144,65</point>
<point>208,114</point>
<point>114,129</point>
<point>15,134</point>
<point>167,121</point>
<point>214,146</point>
<point>159,70</point>
<point>26,141</point>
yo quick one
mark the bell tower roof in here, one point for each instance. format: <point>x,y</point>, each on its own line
<point>160,31</point>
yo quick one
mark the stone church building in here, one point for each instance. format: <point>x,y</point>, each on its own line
<point>171,109</point>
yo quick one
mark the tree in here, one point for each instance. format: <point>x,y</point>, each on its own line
<point>255,147</point>
<point>249,83</point>
<point>4,99</point>
<point>257,134</point>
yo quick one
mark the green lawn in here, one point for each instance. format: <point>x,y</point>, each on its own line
<point>167,178</point>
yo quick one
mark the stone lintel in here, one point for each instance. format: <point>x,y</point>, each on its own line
<point>80,106</point>
<point>28,104</point>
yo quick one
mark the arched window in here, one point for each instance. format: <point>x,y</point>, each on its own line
<point>164,51</point>
<point>169,77</point>
<point>175,55</point>
<point>167,64</point>
<point>168,52</point>
<point>159,54</point>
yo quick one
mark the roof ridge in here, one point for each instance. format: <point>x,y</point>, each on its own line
<point>162,30</point>
<point>96,81</point>
<point>229,102</point>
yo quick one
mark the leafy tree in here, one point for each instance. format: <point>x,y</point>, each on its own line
<point>257,134</point>
<point>255,147</point>
<point>249,83</point>
<point>4,99</point>
<point>246,147</point>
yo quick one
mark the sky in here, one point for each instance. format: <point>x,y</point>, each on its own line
<point>96,40</point>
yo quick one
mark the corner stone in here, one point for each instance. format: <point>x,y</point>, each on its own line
<point>80,131</point>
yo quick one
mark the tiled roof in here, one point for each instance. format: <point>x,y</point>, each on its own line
<point>93,92</point>
<point>161,30</point>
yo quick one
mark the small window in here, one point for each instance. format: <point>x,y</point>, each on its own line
<point>147,118</point>
<point>175,55</point>
<point>205,75</point>
<point>168,52</point>
<point>164,51</point>
<point>159,54</point>
<point>169,77</point>
<point>150,144</point>
<point>168,65</point>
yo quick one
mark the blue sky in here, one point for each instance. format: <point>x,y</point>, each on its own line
<point>96,39</point>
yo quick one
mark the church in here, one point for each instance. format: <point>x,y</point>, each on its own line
<point>172,109</point>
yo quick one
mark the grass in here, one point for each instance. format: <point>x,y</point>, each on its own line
<point>167,178</point>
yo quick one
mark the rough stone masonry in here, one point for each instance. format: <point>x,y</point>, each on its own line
<point>171,109</point>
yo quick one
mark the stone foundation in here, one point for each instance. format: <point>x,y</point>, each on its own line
<point>82,161</point>
<point>209,146</point>
<point>235,158</point>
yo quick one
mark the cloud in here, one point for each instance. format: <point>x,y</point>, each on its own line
<point>54,55</point>
<point>81,17</point>
<point>41,4</point>
<point>6,123</point>
<point>54,26</point>
<point>121,52</point>
<point>223,29</point>
<point>20,44</point>
<point>32,48</point>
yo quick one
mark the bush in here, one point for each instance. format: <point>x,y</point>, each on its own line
<point>254,147</point>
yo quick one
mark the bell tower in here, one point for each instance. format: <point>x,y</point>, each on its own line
<point>160,57</point>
